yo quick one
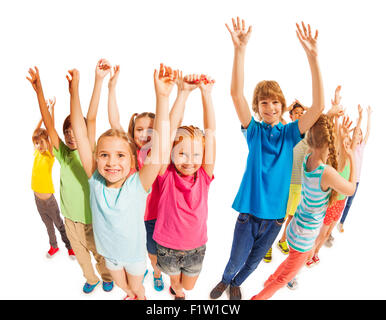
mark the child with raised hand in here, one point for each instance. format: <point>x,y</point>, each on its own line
<point>117,199</point>
<point>359,150</point>
<point>181,226</point>
<point>140,132</point>
<point>43,187</point>
<point>74,189</point>
<point>261,201</point>
<point>321,183</point>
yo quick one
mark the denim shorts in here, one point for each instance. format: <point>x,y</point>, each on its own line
<point>151,245</point>
<point>173,262</point>
<point>135,268</point>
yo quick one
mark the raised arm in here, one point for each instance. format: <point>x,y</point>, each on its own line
<point>48,123</point>
<point>113,111</point>
<point>101,70</point>
<point>164,80</point>
<point>369,112</point>
<point>355,136</point>
<point>209,126</point>
<point>78,124</point>
<point>240,39</point>
<point>309,44</point>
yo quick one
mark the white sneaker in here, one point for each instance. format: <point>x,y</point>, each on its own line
<point>339,226</point>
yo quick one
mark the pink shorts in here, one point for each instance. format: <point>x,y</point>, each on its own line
<point>334,212</point>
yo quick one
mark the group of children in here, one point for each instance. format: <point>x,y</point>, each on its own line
<point>143,192</point>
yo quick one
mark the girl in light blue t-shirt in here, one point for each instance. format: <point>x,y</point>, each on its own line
<point>117,198</point>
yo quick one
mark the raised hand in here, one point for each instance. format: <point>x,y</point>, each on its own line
<point>114,76</point>
<point>164,80</point>
<point>102,68</point>
<point>308,42</point>
<point>345,127</point>
<point>51,104</point>
<point>206,84</point>
<point>239,35</point>
<point>73,80</point>
<point>34,79</point>
<point>337,97</point>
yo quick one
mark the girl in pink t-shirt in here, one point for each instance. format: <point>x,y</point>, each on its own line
<point>180,230</point>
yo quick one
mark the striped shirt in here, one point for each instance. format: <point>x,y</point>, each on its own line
<point>304,227</point>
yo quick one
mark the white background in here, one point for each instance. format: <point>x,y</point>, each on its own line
<point>191,36</point>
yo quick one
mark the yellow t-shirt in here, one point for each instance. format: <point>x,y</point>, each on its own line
<point>42,172</point>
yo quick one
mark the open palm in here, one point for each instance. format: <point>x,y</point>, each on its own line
<point>308,42</point>
<point>240,36</point>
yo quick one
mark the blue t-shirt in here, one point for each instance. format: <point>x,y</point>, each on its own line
<point>118,218</point>
<point>264,189</point>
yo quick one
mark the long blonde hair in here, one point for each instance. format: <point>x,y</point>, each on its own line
<point>322,133</point>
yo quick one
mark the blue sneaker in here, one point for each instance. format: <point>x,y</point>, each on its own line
<point>144,276</point>
<point>293,284</point>
<point>88,288</point>
<point>158,283</point>
<point>108,286</point>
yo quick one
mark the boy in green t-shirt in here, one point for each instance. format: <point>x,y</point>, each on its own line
<point>74,187</point>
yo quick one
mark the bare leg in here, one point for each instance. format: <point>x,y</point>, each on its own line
<point>176,283</point>
<point>120,279</point>
<point>284,235</point>
<point>136,286</point>
<point>153,260</point>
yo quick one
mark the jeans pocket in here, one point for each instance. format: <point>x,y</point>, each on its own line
<point>243,218</point>
<point>279,222</point>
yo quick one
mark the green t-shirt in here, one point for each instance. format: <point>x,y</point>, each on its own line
<point>345,174</point>
<point>74,187</point>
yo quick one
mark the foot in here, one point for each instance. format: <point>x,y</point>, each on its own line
<point>130,298</point>
<point>71,254</point>
<point>51,252</point>
<point>293,284</point>
<point>173,293</point>
<point>158,283</point>
<point>283,247</point>
<point>88,288</point>
<point>107,285</point>
<point>329,242</point>
<point>339,226</point>
<point>268,256</point>
<point>218,290</point>
<point>234,293</point>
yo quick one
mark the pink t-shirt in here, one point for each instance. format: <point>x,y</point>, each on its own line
<point>182,210</point>
<point>152,199</point>
<point>358,153</point>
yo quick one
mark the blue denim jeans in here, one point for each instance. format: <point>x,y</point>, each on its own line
<point>348,205</point>
<point>251,240</point>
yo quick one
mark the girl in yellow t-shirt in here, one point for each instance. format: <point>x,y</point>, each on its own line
<point>43,187</point>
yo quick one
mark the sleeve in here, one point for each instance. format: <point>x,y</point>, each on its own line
<point>250,132</point>
<point>205,176</point>
<point>60,154</point>
<point>293,133</point>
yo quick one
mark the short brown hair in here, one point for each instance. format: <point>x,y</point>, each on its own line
<point>67,123</point>
<point>267,89</point>
<point>133,118</point>
<point>38,134</point>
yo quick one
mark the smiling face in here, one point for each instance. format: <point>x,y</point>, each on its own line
<point>187,155</point>
<point>270,110</point>
<point>296,113</point>
<point>143,131</point>
<point>114,160</point>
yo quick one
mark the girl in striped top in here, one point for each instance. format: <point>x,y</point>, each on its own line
<point>320,185</point>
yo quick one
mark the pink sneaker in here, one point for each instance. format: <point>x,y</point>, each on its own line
<point>51,252</point>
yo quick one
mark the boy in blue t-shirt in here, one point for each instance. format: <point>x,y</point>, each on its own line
<point>262,197</point>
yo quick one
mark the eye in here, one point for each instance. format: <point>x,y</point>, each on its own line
<point>103,155</point>
<point>197,154</point>
<point>121,155</point>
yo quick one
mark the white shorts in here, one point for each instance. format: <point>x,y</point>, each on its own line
<point>135,268</point>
